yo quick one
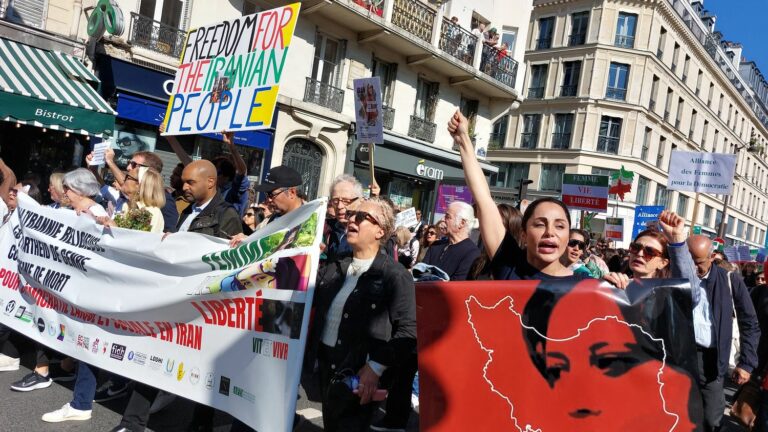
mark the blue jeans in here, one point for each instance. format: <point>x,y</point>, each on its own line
<point>85,387</point>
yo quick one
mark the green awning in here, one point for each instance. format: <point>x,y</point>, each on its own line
<point>50,90</point>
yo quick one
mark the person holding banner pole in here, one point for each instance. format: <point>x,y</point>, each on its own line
<point>545,231</point>
<point>365,320</point>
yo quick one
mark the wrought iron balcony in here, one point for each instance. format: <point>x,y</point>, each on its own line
<point>496,141</point>
<point>608,145</point>
<point>561,140</point>
<point>535,92</point>
<point>324,94</point>
<point>499,65</point>
<point>457,41</point>
<point>568,90</point>
<point>414,17</point>
<point>577,39</point>
<point>544,43</point>
<point>156,36</point>
<point>529,140</point>
<point>422,129</point>
<point>616,93</point>
<point>389,117</point>
<point>624,41</point>
<point>375,7</point>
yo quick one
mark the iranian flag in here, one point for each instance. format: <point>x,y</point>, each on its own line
<point>621,182</point>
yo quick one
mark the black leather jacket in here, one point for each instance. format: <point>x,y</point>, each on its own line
<point>218,219</point>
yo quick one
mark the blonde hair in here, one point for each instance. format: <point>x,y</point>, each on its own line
<point>387,219</point>
<point>151,189</point>
<point>403,235</point>
<point>57,183</point>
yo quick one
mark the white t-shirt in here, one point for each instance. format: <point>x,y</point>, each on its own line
<point>97,211</point>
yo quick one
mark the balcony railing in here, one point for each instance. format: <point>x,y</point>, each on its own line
<point>616,93</point>
<point>324,94</point>
<point>414,17</point>
<point>499,65</point>
<point>156,36</point>
<point>529,140</point>
<point>624,41</point>
<point>375,7</point>
<point>422,129</point>
<point>577,39</point>
<point>389,117</point>
<point>458,42</point>
<point>544,43</point>
<point>568,90</point>
<point>535,92</point>
<point>561,140</point>
<point>496,141</point>
<point>608,145</point>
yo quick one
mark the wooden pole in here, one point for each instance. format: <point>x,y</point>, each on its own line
<point>695,212</point>
<point>371,146</point>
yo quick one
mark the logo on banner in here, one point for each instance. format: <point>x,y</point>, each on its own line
<point>209,381</point>
<point>10,306</point>
<point>139,358</point>
<point>83,342</point>
<point>181,372</point>
<point>155,362</point>
<point>95,346</point>
<point>117,352</point>
<point>23,314</point>
<point>194,376</point>
<point>224,386</point>
<point>245,394</point>
<point>40,325</point>
<point>130,356</point>
<point>169,364</point>
<point>62,330</point>
<point>51,329</point>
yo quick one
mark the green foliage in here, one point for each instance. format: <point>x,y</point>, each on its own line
<point>136,219</point>
<point>307,232</point>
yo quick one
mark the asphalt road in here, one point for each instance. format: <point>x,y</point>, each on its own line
<point>21,412</point>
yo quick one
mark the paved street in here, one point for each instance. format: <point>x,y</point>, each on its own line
<point>22,411</point>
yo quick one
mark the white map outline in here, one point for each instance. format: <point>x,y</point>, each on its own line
<point>511,301</point>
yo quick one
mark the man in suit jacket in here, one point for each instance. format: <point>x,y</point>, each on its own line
<point>712,321</point>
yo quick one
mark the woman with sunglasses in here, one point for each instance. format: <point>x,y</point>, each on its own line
<point>365,319</point>
<point>251,219</point>
<point>427,238</point>
<point>545,228</point>
<point>574,252</point>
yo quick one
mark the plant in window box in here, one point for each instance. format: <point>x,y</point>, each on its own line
<point>135,219</point>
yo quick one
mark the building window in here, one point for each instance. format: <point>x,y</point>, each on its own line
<point>610,133</point>
<point>704,133</point>
<point>675,55</point>
<point>510,174</point>
<point>509,37</point>
<point>679,114</point>
<point>654,93</point>
<point>662,150</point>
<point>699,78</point>
<point>668,104</point>
<point>749,232</point>
<point>662,43</point>
<point>718,218</point>
<point>642,190</point>
<point>694,113</point>
<point>686,67</point>
<point>530,135</point>
<point>625,30</point>
<point>682,205</point>
<point>618,76</point>
<point>426,99</point>
<point>546,29</point>
<point>561,138</point>
<point>707,221</point>
<point>740,229</point>
<point>538,81</point>
<point>579,24</point>
<point>499,135</point>
<point>551,177</point>
<point>387,72</point>
<point>662,196</point>
<point>571,73</point>
<point>711,93</point>
<point>646,144</point>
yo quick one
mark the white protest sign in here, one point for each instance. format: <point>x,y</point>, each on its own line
<point>701,172</point>
<point>222,326</point>
<point>230,72</point>
<point>98,152</point>
<point>406,218</point>
<point>369,116</point>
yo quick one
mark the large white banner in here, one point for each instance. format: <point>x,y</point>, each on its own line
<point>186,314</point>
<point>701,172</point>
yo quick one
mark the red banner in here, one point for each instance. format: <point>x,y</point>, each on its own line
<point>594,203</point>
<point>531,355</point>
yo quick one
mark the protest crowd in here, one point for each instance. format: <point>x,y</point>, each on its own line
<point>367,262</point>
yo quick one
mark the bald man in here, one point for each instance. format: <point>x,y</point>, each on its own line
<point>208,214</point>
<point>712,324</point>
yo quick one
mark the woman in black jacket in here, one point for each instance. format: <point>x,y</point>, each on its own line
<point>365,319</point>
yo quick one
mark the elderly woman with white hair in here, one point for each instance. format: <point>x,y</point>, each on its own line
<point>80,187</point>
<point>365,319</point>
<point>455,254</point>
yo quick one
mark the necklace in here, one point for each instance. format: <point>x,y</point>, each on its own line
<point>356,269</point>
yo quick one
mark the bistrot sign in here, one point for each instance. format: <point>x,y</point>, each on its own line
<point>229,75</point>
<point>586,192</point>
<point>701,172</point>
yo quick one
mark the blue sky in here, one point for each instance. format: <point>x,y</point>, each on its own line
<point>744,21</point>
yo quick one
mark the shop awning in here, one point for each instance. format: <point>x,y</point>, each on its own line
<point>50,90</point>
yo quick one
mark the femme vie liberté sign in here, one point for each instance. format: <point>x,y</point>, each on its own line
<point>585,192</point>
<point>701,172</point>
<point>230,73</point>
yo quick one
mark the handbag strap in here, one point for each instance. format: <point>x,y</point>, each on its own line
<point>730,288</point>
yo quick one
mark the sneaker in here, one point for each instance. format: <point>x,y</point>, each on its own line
<point>57,374</point>
<point>8,363</point>
<point>66,413</point>
<point>32,381</point>
<point>108,391</point>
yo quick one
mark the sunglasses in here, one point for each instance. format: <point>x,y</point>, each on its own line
<point>250,214</point>
<point>272,195</point>
<point>133,164</point>
<point>431,233</point>
<point>648,251</point>
<point>345,201</point>
<point>359,216</point>
<point>575,243</point>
